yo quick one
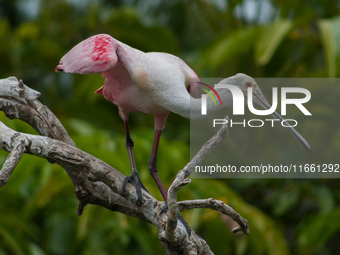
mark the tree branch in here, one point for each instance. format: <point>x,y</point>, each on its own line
<point>13,88</point>
<point>216,205</point>
<point>173,209</point>
<point>18,150</point>
<point>181,180</point>
<point>95,181</point>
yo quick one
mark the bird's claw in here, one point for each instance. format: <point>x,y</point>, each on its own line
<point>164,209</point>
<point>134,179</point>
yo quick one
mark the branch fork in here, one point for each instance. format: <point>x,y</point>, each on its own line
<point>95,181</point>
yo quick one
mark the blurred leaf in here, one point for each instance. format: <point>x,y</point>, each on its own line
<point>128,27</point>
<point>82,127</point>
<point>10,242</point>
<point>28,32</point>
<point>6,48</point>
<point>229,47</point>
<point>330,36</point>
<point>285,200</point>
<point>325,199</point>
<point>36,250</point>
<point>318,232</point>
<point>46,194</point>
<point>61,233</point>
<point>269,38</point>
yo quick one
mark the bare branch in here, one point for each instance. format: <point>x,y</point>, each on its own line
<point>206,149</point>
<point>17,151</point>
<point>173,209</point>
<point>13,88</point>
<point>173,233</point>
<point>95,181</point>
<point>216,205</point>
<point>87,169</point>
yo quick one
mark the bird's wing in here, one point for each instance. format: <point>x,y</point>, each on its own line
<point>191,79</point>
<point>169,78</point>
<point>97,54</point>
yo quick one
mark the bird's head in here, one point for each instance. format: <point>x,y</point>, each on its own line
<point>244,82</point>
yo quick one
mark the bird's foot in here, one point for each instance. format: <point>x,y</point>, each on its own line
<point>164,209</point>
<point>180,217</point>
<point>134,179</point>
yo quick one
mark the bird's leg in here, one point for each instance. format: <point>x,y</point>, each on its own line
<point>153,171</point>
<point>153,167</point>
<point>134,178</point>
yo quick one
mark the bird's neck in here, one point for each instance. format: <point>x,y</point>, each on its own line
<point>195,109</point>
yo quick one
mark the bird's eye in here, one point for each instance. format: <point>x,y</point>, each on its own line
<point>248,84</point>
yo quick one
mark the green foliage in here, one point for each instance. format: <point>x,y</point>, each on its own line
<point>330,35</point>
<point>216,38</point>
<point>315,235</point>
<point>269,38</point>
<point>229,46</point>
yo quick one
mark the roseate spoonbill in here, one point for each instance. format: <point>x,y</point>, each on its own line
<point>154,83</point>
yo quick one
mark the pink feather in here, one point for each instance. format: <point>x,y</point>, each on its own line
<point>96,54</point>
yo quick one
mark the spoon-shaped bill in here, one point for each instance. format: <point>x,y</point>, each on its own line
<point>262,102</point>
<point>293,131</point>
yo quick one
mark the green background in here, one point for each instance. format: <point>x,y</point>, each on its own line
<point>217,39</point>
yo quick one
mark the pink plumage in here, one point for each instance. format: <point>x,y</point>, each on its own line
<point>134,80</point>
<point>154,83</point>
<point>97,54</point>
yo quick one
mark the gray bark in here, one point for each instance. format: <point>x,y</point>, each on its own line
<point>95,181</point>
